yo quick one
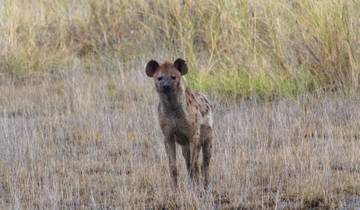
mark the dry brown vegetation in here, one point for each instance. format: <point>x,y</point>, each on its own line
<point>78,140</point>
<point>234,48</point>
<point>78,118</point>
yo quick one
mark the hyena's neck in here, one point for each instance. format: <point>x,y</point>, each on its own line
<point>175,101</point>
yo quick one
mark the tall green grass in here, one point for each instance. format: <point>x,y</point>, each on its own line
<point>234,48</point>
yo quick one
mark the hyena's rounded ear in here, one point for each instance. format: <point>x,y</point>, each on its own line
<point>151,67</point>
<point>180,64</point>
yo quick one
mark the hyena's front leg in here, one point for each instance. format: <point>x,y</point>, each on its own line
<point>170,148</point>
<point>195,147</point>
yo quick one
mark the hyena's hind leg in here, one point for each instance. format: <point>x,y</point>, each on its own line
<point>206,139</point>
<point>195,147</point>
<point>186,154</point>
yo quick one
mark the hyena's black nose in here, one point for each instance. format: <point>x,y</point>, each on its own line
<point>166,87</point>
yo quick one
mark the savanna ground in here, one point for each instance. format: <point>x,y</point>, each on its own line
<point>78,122</point>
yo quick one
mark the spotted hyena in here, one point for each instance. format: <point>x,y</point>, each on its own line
<point>185,117</point>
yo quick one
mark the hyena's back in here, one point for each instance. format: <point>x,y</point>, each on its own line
<point>204,108</point>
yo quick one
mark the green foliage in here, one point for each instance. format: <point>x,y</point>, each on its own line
<point>236,48</point>
<point>240,84</point>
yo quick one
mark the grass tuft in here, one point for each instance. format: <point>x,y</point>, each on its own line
<point>270,47</point>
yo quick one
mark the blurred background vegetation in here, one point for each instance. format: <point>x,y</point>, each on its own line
<point>235,48</point>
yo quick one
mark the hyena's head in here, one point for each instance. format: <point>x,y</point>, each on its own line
<point>167,76</point>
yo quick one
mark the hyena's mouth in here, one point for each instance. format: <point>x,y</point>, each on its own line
<point>166,89</point>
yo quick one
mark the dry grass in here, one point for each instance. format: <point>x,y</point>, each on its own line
<point>78,140</point>
<point>234,48</point>
<point>78,125</point>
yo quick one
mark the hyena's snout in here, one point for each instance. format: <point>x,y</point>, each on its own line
<point>184,117</point>
<point>166,84</point>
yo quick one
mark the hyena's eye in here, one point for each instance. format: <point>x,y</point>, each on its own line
<point>173,77</point>
<point>160,78</point>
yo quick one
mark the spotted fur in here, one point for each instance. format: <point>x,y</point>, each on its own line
<point>185,117</point>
